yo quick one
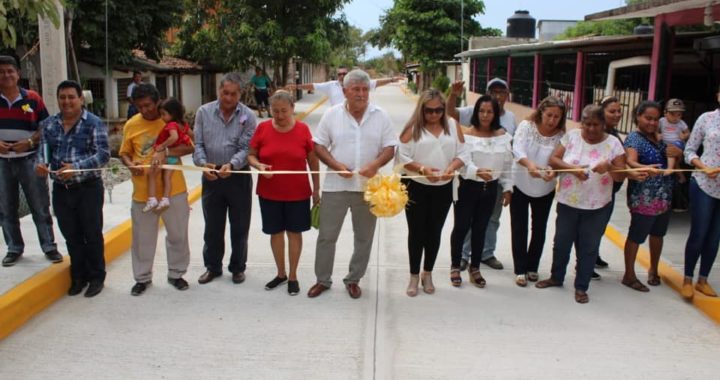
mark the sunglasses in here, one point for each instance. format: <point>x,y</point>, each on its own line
<point>341,74</point>
<point>438,110</point>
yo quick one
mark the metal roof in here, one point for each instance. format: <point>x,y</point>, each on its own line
<point>650,8</point>
<point>554,45</point>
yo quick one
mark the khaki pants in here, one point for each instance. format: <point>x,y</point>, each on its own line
<point>145,229</point>
<point>333,209</point>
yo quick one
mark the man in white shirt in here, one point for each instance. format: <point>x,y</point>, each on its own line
<point>499,90</point>
<point>136,80</point>
<point>334,88</point>
<point>356,138</point>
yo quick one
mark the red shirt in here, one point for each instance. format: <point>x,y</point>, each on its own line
<point>183,138</point>
<point>283,151</point>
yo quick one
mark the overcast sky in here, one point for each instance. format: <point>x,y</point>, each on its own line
<point>365,14</point>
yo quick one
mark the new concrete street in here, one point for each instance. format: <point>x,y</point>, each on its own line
<point>221,330</point>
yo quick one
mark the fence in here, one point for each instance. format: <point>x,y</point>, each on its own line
<point>628,100</point>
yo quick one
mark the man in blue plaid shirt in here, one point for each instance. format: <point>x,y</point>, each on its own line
<point>71,140</point>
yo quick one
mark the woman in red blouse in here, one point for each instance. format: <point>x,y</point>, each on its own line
<point>284,144</point>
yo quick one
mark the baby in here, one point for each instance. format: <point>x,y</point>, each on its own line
<point>673,130</point>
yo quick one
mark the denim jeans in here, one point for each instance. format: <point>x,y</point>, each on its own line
<point>584,229</point>
<point>16,172</point>
<point>702,243</point>
<point>490,232</point>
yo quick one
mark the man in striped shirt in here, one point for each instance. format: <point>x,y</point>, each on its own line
<point>20,114</point>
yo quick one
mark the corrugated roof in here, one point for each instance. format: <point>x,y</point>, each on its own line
<point>551,45</point>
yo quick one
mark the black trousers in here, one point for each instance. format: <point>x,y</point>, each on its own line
<point>224,199</point>
<point>475,204</point>
<point>79,212</point>
<point>527,259</point>
<point>426,213</point>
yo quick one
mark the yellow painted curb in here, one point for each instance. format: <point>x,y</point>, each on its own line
<point>21,303</point>
<point>708,305</point>
<point>315,106</point>
<point>33,295</point>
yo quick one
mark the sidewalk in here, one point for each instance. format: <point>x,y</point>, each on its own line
<point>221,330</point>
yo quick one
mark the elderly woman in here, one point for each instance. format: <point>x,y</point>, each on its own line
<point>649,200</point>
<point>488,159</point>
<point>702,243</point>
<point>283,143</point>
<point>589,157</point>
<point>429,146</point>
<point>535,140</point>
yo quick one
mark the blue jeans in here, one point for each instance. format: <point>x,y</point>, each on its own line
<point>16,172</point>
<point>702,243</point>
<point>490,232</point>
<point>584,229</point>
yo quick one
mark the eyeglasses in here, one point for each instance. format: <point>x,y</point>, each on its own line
<point>438,110</point>
<point>341,74</point>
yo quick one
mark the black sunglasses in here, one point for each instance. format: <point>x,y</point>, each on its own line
<point>438,110</point>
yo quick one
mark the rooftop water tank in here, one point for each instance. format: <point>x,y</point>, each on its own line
<point>521,25</point>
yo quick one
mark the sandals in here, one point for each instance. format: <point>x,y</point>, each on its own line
<point>476,278</point>
<point>455,278</point>
<point>547,283</point>
<point>653,279</point>
<point>427,284</point>
<point>636,285</point>
<point>533,276</point>
<point>412,289</point>
<point>581,297</point>
<point>521,280</point>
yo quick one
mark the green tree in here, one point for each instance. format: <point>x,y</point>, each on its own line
<point>604,27</point>
<point>349,49</point>
<point>14,14</point>
<point>241,33</point>
<point>131,24</point>
<point>428,30</point>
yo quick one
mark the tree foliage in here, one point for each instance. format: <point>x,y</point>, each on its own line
<point>131,24</point>
<point>349,50</point>
<point>427,31</point>
<point>15,14</point>
<point>241,33</point>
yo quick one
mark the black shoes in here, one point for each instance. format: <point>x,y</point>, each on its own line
<point>293,288</point>
<point>179,283</point>
<point>275,282</point>
<point>76,287</point>
<point>10,259</point>
<point>54,256</point>
<point>600,263</point>
<point>94,288</point>
<point>463,264</point>
<point>139,288</point>
<point>596,276</point>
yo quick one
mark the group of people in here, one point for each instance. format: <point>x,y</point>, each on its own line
<point>472,158</point>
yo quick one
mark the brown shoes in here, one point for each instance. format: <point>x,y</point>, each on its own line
<point>238,278</point>
<point>354,290</point>
<point>208,276</point>
<point>317,290</point>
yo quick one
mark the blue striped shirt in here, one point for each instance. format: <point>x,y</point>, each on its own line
<point>220,142</point>
<point>85,146</point>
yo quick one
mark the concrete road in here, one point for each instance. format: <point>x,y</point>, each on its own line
<point>221,330</point>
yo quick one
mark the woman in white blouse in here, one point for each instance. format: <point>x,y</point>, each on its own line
<point>535,140</point>
<point>488,160</point>
<point>429,148</point>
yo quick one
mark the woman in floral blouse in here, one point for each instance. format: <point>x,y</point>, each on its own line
<point>591,157</point>
<point>649,200</point>
<point>702,243</point>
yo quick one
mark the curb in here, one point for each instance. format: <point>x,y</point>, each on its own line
<point>315,106</point>
<point>671,277</point>
<point>19,304</point>
<point>33,295</point>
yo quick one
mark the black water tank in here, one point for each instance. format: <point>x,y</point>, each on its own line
<point>521,25</point>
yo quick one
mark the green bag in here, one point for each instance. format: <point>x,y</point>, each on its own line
<point>315,216</point>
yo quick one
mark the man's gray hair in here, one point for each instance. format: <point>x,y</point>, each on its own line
<point>233,77</point>
<point>356,75</point>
